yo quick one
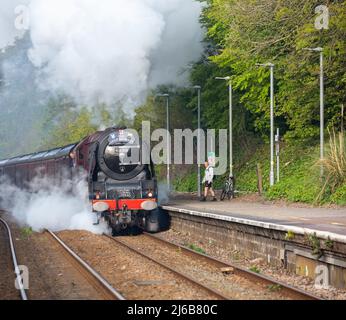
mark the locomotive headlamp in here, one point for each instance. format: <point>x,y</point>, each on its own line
<point>150,194</point>
<point>100,206</point>
<point>149,205</point>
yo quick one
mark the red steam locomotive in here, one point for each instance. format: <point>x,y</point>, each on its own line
<point>122,188</point>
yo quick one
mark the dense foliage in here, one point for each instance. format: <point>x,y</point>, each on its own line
<point>258,31</point>
<point>241,34</point>
<point>21,102</point>
<point>64,122</point>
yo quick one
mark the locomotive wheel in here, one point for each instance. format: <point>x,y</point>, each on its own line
<point>129,231</point>
<point>223,195</point>
<point>114,232</point>
<point>157,221</point>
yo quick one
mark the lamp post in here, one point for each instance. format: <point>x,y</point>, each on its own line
<point>277,142</point>
<point>228,79</point>
<point>166,95</point>
<point>271,67</point>
<point>320,51</point>
<point>198,88</point>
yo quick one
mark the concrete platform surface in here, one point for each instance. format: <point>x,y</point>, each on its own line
<point>320,219</point>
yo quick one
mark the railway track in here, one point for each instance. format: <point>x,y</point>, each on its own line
<point>155,249</point>
<point>93,277</point>
<point>160,245</point>
<point>211,291</point>
<point>97,282</point>
<point>16,269</point>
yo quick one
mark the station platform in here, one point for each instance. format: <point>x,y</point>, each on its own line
<point>326,222</point>
<point>297,237</point>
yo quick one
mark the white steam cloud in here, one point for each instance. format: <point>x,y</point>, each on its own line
<point>44,205</point>
<point>8,31</point>
<point>110,51</point>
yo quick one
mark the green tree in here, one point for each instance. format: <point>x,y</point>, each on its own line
<point>256,31</point>
<point>154,109</point>
<point>65,122</point>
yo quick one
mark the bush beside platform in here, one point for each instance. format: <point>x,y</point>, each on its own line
<point>299,177</point>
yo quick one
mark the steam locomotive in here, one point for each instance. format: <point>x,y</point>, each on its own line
<point>122,188</point>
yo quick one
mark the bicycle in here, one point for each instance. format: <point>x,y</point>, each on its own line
<point>228,189</point>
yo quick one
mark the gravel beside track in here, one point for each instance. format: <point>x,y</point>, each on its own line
<point>134,276</point>
<point>7,275</point>
<point>233,286</point>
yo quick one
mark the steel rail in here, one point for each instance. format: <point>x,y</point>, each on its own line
<point>109,290</point>
<point>289,290</point>
<point>206,288</point>
<point>15,262</point>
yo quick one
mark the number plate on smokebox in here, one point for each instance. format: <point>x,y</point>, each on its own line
<point>122,194</point>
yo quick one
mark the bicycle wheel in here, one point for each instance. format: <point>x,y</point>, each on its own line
<point>231,193</point>
<point>223,194</point>
<point>225,191</point>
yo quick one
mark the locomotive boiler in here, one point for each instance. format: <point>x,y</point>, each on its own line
<point>122,187</point>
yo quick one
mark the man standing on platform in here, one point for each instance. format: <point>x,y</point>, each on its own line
<point>208,182</point>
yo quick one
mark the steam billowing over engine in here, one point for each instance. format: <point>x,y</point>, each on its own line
<point>122,188</point>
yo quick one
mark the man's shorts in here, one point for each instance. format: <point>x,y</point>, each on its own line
<point>208,185</point>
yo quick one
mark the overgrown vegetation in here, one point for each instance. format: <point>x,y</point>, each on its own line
<point>196,248</point>
<point>274,287</point>
<point>289,236</point>
<point>26,232</point>
<point>329,244</point>
<point>65,122</point>
<point>334,165</point>
<point>315,243</point>
<point>299,177</point>
<point>243,33</point>
<point>255,269</point>
<point>248,32</point>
